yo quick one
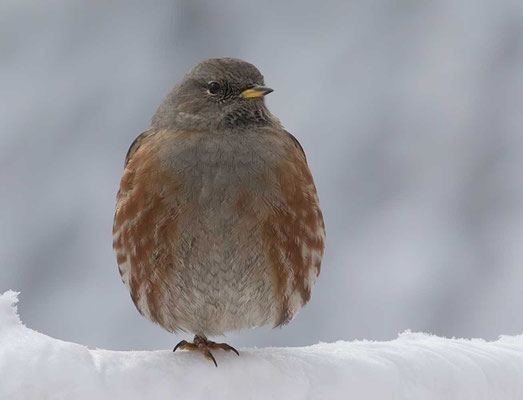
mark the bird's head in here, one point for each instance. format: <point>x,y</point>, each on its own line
<point>219,93</point>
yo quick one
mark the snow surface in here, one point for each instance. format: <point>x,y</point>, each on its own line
<point>414,366</point>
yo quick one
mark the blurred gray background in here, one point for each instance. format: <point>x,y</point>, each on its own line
<point>410,112</point>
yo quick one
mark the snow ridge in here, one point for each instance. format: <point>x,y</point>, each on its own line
<point>413,366</point>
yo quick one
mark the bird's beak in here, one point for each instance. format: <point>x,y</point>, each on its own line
<point>256,91</point>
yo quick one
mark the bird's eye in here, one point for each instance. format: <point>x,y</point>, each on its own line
<point>214,87</point>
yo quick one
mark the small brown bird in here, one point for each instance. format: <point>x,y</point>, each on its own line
<point>217,224</point>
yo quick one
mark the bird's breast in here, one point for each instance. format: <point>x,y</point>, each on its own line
<point>215,170</point>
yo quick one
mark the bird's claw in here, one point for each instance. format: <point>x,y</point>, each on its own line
<point>226,347</point>
<point>204,346</point>
<point>208,355</point>
<point>182,345</point>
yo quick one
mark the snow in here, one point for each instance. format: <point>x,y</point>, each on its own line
<point>413,366</point>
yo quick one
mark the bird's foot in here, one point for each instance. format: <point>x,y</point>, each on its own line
<point>204,345</point>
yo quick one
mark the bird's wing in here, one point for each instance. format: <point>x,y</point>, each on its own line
<point>296,143</point>
<point>294,229</point>
<point>145,224</point>
<point>137,142</point>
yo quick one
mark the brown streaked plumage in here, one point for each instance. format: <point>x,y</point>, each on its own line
<point>217,224</point>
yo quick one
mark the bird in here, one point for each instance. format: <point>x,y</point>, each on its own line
<point>217,226</point>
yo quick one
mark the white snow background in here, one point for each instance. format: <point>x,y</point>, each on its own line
<point>413,366</point>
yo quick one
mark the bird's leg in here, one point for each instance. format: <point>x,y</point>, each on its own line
<point>204,345</point>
